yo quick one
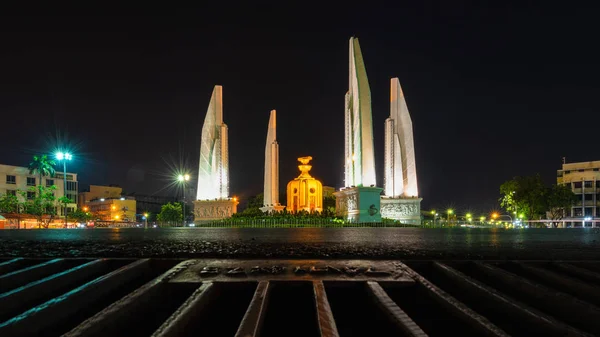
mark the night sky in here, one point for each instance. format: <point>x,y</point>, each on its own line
<point>493,92</point>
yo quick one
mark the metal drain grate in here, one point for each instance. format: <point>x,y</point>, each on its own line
<point>208,297</point>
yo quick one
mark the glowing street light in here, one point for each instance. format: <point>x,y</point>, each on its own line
<point>146,220</point>
<point>182,178</point>
<point>434,216</point>
<point>449,211</point>
<point>64,156</point>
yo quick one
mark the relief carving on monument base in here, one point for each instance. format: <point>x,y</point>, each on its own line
<point>214,209</point>
<point>405,210</point>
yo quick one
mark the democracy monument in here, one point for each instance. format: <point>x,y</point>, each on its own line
<point>360,200</point>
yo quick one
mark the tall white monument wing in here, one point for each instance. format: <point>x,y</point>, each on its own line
<point>271,191</point>
<point>359,151</point>
<point>213,171</point>
<point>401,171</point>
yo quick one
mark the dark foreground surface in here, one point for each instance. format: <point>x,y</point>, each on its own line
<point>377,243</point>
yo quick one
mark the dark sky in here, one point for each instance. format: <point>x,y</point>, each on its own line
<point>494,92</point>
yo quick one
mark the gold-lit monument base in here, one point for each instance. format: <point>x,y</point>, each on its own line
<point>272,209</point>
<point>210,210</point>
<point>405,210</point>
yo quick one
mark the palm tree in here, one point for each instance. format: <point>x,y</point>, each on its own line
<point>42,166</point>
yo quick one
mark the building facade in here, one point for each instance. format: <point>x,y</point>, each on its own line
<point>107,203</point>
<point>15,179</point>
<point>120,209</point>
<point>584,180</point>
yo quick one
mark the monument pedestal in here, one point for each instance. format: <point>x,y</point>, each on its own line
<point>210,210</point>
<point>271,209</point>
<point>359,204</point>
<point>405,210</point>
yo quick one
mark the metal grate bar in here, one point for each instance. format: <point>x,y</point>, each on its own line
<point>398,316</point>
<point>325,318</point>
<point>482,324</point>
<point>518,312</point>
<point>552,301</point>
<point>200,300</point>
<point>22,276</point>
<point>26,296</point>
<point>10,265</point>
<point>568,284</point>
<point>96,325</point>
<point>38,319</point>
<point>581,273</point>
<point>255,315</point>
<point>250,298</point>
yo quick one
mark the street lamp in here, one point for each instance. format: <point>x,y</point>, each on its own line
<point>182,179</point>
<point>450,211</point>
<point>64,156</point>
<point>146,220</point>
<point>434,214</point>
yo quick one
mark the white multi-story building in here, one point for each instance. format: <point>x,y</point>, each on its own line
<point>584,180</point>
<point>17,178</point>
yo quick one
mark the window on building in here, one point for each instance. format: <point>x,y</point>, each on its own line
<point>589,211</point>
<point>589,197</point>
<point>588,184</point>
<point>596,169</point>
<point>71,186</point>
<point>559,174</point>
<point>598,212</point>
<point>73,197</point>
<point>567,172</point>
<point>581,170</point>
<point>11,192</point>
<point>11,179</point>
<point>577,184</point>
<point>30,181</point>
<point>577,211</point>
<point>30,195</point>
<point>49,182</point>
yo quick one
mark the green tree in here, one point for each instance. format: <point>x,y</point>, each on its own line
<point>329,205</point>
<point>42,203</point>
<point>43,166</point>
<point>80,215</point>
<point>559,198</point>
<point>524,195</point>
<point>170,213</point>
<point>10,204</point>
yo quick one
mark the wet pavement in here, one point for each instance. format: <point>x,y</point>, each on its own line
<point>374,243</point>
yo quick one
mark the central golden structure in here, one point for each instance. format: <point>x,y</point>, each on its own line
<point>305,192</point>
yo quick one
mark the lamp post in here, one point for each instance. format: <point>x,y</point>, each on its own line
<point>146,220</point>
<point>449,213</point>
<point>182,179</point>
<point>64,156</point>
<point>434,214</point>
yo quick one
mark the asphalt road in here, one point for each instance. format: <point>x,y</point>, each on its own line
<point>385,243</point>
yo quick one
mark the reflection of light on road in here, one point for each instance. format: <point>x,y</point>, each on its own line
<point>468,237</point>
<point>115,234</point>
<point>494,238</point>
<point>518,239</point>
